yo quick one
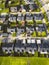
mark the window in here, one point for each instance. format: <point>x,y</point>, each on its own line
<point>10,50</point>
<point>47,50</point>
<point>22,50</point>
<point>30,50</point>
<point>42,50</point>
<point>18,50</point>
<point>6,50</point>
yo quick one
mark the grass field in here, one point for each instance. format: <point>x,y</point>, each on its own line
<point>23,61</point>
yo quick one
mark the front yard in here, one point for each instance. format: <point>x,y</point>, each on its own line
<point>23,61</point>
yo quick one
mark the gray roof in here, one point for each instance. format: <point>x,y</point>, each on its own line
<point>31,45</point>
<point>38,16</point>
<point>7,45</point>
<point>44,44</point>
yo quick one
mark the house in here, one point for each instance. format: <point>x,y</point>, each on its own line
<point>7,40</point>
<point>31,46</point>
<point>10,30</point>
<point>28,47</point>
<point>17,8</point>
<point>33,6</point>
<point>2,18</point>
<point>29,30</point>
<point>40,28</point>
<point>13,9</point>
<point>38,16</point>
<point>20,17</point>
<point>7,48</point>
<point>19,47</point>
<point>44,47</point>
<point>29,16</point>
<point>20,31</point>
<point>5,34</point>
<point>12,18</point>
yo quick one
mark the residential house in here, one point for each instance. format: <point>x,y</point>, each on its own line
<point>20,31</point>
<point>30,31</point>
<point>38,16</point>
<point>12,18</point>
<point>19,47</point>
<point>7,48</point>
<point>13,9</point>
<point>21,19</point>
<point>41,30</point>
<point>2,18</point>
<point>44,47</point>
<point>31,46</point>
<point>10,30</point>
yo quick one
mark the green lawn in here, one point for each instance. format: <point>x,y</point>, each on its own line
<point>39,21</point>
<point>5,10</point>
<point>30,22</point>
<point>23,61</point>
